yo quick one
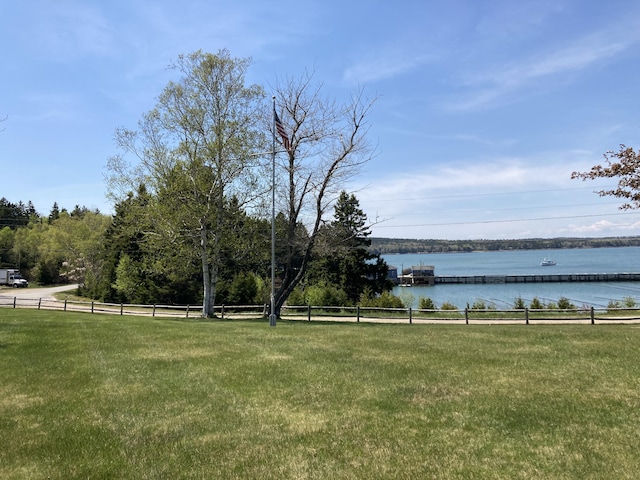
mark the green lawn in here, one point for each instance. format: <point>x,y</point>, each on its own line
<point>96,396</point>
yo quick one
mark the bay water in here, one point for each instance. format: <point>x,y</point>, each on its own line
<point>524,262</point>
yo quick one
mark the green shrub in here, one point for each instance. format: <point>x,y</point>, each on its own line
<point>426,304</point>
<point>518,304</point>
<point>243,290</point>
<point>407,298</point>
<point>448,306</point>
<point>536,304</point>
<point>613,304</point>
<point>629,302</point>
<point>565,304</point>
<point>384,300</point>
<point>296,298</point>
<point>325,295</point>
<point>479,305</point>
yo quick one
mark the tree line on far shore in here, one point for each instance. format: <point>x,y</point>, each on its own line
<point>382,246</point>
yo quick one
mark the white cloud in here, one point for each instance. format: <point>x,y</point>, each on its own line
<point>488,198</point>
<point>65,32</point>
<point>385,65</point>
<point>577,57</point>
<point>500,83</point>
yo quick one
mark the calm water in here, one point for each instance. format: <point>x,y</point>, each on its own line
<point>595,260</point>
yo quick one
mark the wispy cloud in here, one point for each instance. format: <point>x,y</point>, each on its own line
<point>392,55</point>
<point>48,106</point>
<point>389,64</point>
<point>481,187</point>
<point>501,83</point>
<point>65,33</point>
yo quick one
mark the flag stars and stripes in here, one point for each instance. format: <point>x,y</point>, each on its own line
<point>282,132</point>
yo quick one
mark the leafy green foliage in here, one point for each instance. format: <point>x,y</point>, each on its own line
<point>296,298</point>
<point>47,271</point>
<point>448,306</point>
<point>245,289</point>
<point>341,255</point>
<point>536,304</point>
<point>7,236</point>
<point>323,294</point>
<point>565,304</point>
<point>196,152</point>
<point>14,215</point>
<point>479,305</point>
<point>519,304</point>
<point>426,303</point>
<point>613,304</point>
<point>385,300</point>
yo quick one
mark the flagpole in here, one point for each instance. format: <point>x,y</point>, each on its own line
<point>272,316</point>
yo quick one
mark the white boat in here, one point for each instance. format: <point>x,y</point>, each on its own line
<point>547,262</point>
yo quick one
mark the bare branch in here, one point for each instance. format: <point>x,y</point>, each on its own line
<point>329,144</point>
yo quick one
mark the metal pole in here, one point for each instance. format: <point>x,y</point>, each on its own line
<point>272,316</point>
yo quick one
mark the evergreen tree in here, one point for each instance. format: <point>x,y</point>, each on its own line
<point>14,215</point>
<point>55,213</point>
<point>342,257</point>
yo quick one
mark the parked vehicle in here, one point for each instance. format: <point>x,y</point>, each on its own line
<point>12,277</point>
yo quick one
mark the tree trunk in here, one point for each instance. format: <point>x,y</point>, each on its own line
<point>209,277</point>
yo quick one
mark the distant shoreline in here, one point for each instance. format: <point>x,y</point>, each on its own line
<point>391,246</point>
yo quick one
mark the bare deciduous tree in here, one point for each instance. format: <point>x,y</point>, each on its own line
<point>328,145</point>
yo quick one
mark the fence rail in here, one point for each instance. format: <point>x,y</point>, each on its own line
<point>343,314</point>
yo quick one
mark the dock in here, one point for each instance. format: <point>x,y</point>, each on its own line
<point>537,278</point>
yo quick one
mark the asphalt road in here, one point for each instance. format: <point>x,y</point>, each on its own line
<point>35,292</point>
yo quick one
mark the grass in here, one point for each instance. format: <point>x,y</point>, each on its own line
<point>93,396</point>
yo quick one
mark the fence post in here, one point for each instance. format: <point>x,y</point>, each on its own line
<point>121,308</point>
<point>466,315</point>
<point>153,313</point>
<point>222,311</point>
<point>308,313</point>
<point>65,304</point>
<point>593,318</point>
<point>358,313</point>
<point>410,316</point>
<point>39,302</point>
<point>187,311</point>
<point>526,315</point>
<point>14,301</point>
<point>92,306</point>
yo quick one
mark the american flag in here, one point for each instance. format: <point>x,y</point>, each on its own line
<point>282,132</point>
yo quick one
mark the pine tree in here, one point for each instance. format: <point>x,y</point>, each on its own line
<point>342,255</point>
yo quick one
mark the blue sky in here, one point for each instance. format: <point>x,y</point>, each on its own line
<point>484,107</point>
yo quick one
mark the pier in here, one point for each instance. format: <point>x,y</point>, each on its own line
<point>537,278</point>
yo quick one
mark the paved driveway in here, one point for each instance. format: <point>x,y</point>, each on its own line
<point>35,292</point>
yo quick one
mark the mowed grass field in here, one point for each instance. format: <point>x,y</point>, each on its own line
<point>109,397</point>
